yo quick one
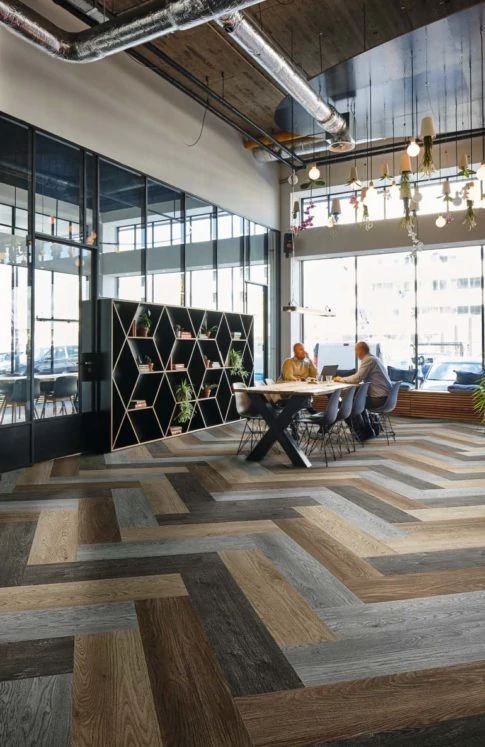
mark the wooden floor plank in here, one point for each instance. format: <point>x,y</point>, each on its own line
<point>97,521</point>
<point>186,531</point>
<point>78,593</point>
<point>351,537</point>
<point>348,709</point>
<point>112,699</point>
<point>55,538</point>
<point>331,554</point>
<point>33,712</point>
<point>162,497</point>
<point>410,586</point>
<point>38,658</point>
<point>247,654</point>
<point>37,474</point>
<point>192,700</point>
<point>288,617</point>
<point>15,543</point>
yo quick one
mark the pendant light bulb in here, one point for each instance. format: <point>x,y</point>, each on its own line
<point>413,148</point>
<point>440,221</point>
<point>481,172</point>
<point>314,172</point>
<point>293,178</point>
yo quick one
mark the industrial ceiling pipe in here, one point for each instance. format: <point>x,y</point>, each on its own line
<point>261,48</point>
<point>136,26</point>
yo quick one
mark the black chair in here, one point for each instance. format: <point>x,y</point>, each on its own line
<point>18,397</point>
<point>358,407</point>
<point>64,390</point>
<point>383,412</point>
<point>254,425</point>
<point>318,428</point>
<point>341,431</point>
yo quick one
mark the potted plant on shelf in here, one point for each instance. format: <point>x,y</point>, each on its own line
<point>185,408</point>
<point>235,363</point>
<point>207,389</point>
<point>178,330</point>
<point>144,323</point>
<point>208,330</point>
<point>148,361</point>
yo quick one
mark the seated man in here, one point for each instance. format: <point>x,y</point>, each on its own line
<point>371,369</point>
<point>299,367</point>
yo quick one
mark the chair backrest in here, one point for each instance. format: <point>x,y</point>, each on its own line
<point>402,374</point>
<point>345,408</point>
<point>65,386</point>
<point>391,400</point>
<point>330,415</point>
<point>241,399</point>
<point>358,405</point>
<point>269,381</point>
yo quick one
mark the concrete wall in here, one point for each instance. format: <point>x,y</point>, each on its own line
<point>123,111</point>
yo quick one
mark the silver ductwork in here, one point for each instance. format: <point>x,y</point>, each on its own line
<point>305,147</point>
<point>136,26</point>
<point>261,48</point>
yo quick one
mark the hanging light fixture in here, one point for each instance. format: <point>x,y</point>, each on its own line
<point>354,181</point>
<point>314,173</point>
<point>413,148</point>
<point>440,221</point>
<point>293,178</point>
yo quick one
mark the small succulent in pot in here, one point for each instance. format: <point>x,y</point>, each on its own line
<point>144,323</point>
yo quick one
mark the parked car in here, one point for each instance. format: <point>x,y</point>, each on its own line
<point>12,365</point>
<point>60,359</point>
<point>442,373</point>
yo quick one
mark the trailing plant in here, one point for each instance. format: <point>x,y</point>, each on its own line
<point>235,363</point>
<point>145,319</point>
<point>209,330</point>
<point>470,219</point>
<point>479,400</point>
<point>184,394</point>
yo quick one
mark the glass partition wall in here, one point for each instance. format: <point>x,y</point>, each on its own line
<point>420,311</point>
<point>75,226</point>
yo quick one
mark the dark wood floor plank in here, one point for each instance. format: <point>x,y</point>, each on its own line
<point>97,521</point>
<point>35,712</point>
<point>36,658</point>
<point>248,655</point>
<point>15,543</point>
<point>209,477</point>
<point>89,570</point>
<point>192,699</point>
<point>190,490</point>
<point>272,508</point>
<point>350,709</point>
<point>463,732</point>
<point>372,504</point>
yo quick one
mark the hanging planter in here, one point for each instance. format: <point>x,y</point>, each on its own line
<point>354,181</point>
<point>464,168</point>
<point>470,219</point>
<point>385,173</point>
<point>296,210</point>
<point>428,133</point>
<point>336,209</point>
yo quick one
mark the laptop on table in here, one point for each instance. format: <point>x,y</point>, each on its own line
<point>328,371</point>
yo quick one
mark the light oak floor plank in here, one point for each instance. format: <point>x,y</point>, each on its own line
<point>55,539</point>
<point>186,531</point>
<point>162,497</point>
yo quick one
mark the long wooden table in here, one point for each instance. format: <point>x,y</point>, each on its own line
<point>297,396</point>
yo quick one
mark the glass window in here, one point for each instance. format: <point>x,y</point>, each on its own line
<point>199,254</point>
<point>122,231</point>
<point>258,253</point>
<point>165,244</point>
<point>56,333</point>
<point>57,188</point>
<point>14,287</point>
<point>329,283</point>
<point>448,328</point>
<point>230,289</point>
<point>385,306</point>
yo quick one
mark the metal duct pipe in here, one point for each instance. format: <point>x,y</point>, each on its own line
<point>306,147</point>
<point>136,26</point>
<point>260,47</point>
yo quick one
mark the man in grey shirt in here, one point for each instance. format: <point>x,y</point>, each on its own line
<point>371,369</point>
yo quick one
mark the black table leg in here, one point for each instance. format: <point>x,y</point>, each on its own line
<point>278,420</point>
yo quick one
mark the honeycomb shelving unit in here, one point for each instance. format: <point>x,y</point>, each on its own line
<point>138,391</point>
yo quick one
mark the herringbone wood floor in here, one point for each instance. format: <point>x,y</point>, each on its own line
<point>178,595</point>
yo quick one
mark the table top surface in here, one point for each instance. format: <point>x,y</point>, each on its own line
<point>297,387</point>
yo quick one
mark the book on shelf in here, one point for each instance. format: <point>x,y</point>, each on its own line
<point>134,328</point>
<point>178,366</point>
<point>143,367</point>
<point>186,335</point>
<point>137,404</point>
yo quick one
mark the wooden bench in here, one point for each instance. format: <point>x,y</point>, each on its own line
<point>415,403</point>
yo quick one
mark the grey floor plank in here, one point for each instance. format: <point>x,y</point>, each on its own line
<point>132,508</point>
<point>424,562</point>
<point>404,614</point>
<point>166,547</point>
<point>388,653</point>
<point>66,621</point>
<point>374,505</point>
<point>8,480</point>
<point>314,582</point>
<point>33,712</point>
<point>39,658</point>
<point>38,505</point>
<point>358,515</point>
